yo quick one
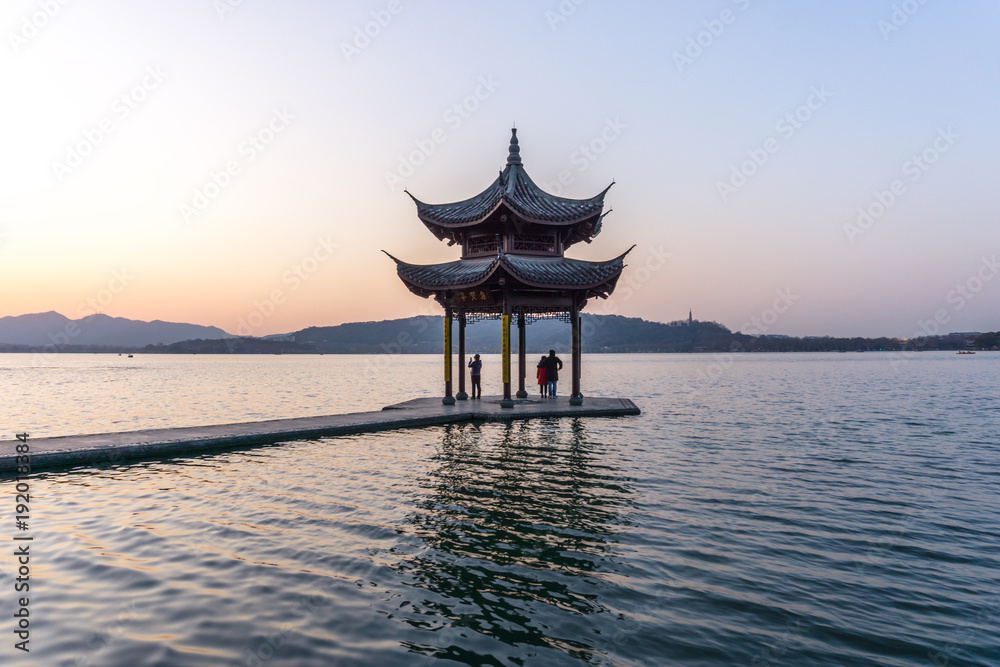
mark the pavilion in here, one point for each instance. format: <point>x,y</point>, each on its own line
<point>513,237</point>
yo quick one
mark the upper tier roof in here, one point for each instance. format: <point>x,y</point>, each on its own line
<point>519,193</point>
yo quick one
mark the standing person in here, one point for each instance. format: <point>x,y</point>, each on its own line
<point>553,365</point>
<point>543,387</point>
<point>476,373</point>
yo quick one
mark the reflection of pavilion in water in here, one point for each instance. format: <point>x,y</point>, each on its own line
<point>518,532</point>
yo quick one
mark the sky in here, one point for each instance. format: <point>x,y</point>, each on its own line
<point>786,167</point>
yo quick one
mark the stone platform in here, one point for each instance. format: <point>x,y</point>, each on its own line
<point>103,448</point>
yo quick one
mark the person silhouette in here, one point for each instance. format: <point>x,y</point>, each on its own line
<point>553,365</point>
<point>476,374</point>
<point>543,386</point>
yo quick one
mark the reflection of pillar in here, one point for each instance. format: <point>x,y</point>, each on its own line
<point>506,402</point>
<point>461,395</point>
<point>521,364</point>
<point>448,398</point>
<point>576,398</point>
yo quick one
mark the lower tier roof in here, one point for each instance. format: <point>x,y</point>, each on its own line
<point>537,272</point>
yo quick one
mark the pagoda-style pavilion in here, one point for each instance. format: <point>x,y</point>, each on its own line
<point>513,237</point>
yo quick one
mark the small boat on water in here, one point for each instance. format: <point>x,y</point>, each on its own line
<point>966,352</point>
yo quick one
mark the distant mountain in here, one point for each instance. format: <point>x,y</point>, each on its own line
<point>231,346</point>
<point>423,335</point>
<point>48,329</point>
<point>600,333</point>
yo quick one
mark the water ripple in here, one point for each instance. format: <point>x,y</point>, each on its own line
<point>796,510</point>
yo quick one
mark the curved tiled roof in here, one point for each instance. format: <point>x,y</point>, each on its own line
<point>461,212</point>
<point>562,271</point>
<point>514,188</point>
<point>532,271</point>
<point>460,273</point>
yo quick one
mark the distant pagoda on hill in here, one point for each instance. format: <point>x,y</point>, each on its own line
<point>513,237</point>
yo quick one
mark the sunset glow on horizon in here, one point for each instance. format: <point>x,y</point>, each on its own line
<point>212,159</point>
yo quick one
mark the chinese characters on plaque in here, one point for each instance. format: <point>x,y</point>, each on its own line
<point>473,297</point>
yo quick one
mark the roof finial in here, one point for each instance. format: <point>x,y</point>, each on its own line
<point>514,157</point>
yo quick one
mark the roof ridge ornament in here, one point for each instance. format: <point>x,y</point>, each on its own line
<point>514,154</point>
<point>415,200</point>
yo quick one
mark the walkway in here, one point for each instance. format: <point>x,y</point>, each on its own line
<point>105,448</point>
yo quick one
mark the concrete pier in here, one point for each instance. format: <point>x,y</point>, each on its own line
<point>106,448</point>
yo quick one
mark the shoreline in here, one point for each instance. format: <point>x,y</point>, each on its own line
<point>137,352</point>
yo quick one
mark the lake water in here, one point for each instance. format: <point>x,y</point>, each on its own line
<point>827,509</point>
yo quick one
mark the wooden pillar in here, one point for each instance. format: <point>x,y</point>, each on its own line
<point>461,395</point>
<point>448,398</point>
<point>521,359</point>
<point>507,401</point>
<point>576,398</point>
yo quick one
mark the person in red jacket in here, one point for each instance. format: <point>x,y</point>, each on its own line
<point>543,387</point>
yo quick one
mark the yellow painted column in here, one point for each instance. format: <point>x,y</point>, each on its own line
<point>448,398</point>
<point>506,401</point>
<point>506,356</point>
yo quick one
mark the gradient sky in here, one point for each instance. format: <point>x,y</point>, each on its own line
<point>162,95</point>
